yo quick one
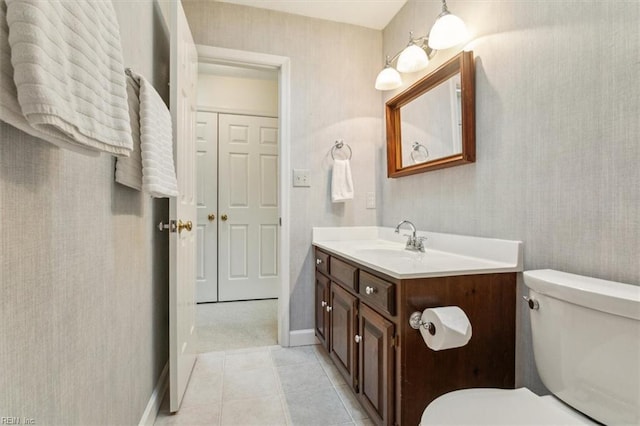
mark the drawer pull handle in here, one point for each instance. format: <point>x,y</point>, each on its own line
<point>329,308</point>
<point>370,290</point>
<point>357,338</point>
<point>323,303</point>
<point>318,261</point>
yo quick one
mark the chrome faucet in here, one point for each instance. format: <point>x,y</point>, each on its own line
<point>414,243</point>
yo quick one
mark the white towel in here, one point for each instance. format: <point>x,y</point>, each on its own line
<point>129,169</point>
<point>10,111</point>
<point>67,62</point>
<point>341,182</point>
<point>156,143</point>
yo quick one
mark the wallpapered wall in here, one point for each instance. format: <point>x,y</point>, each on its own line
<point>557,107</point>
<point>83,277</point>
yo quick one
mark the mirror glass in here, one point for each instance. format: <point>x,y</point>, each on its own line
<point>431,124</point>
<point>442,108</point>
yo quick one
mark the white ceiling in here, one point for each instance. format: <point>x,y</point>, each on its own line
<point>374,14</point>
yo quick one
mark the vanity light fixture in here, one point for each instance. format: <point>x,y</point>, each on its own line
<point>447,31</point>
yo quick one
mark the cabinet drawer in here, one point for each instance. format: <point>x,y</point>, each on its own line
<point>378,292</point>
<point>322,262</point>
<point>344,273</point>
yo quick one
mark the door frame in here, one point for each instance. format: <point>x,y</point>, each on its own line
<point>283,65</point>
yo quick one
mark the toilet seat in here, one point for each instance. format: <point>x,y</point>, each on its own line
<point>500,407</point>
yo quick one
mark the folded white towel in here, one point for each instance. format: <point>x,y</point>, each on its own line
<point>156,143</point>
<point>150,167</point>
<point>10,111</point>
<point>129,169</point>
<point>341,182</point>
<point>67,62</point>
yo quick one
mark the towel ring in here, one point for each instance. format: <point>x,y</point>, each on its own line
<point>419,148</point>
<point>339,145</point>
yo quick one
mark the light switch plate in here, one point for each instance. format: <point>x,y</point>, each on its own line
<point>301,177</point>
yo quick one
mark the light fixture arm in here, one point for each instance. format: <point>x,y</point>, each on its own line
<point>421,42</point>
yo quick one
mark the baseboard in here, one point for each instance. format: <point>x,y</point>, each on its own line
<point>153,406</point>
<point>302,337</point>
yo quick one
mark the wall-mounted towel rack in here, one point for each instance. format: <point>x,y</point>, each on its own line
<point>418,149</point>
<point>338,145</point>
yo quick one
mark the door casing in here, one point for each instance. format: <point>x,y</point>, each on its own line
<point>283,65</point>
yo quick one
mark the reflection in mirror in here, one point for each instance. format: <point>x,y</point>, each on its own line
<point>431,125</point>
<point>441,108</point>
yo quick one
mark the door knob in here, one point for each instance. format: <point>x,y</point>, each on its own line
<point>224,217</point>
<point>357,338</point>
<point>181,225</point>
<point>211,217</point>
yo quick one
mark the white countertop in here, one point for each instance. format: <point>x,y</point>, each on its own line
<point>383,250</point>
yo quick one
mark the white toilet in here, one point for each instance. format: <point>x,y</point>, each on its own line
<point>586,343</point>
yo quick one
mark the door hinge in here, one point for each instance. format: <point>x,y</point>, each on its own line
<point>395,341</point>
<point>280,221</point>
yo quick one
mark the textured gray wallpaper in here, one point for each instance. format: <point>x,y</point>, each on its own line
<point>333,67</point>
<point>558,140</point>
<point>83,279</point>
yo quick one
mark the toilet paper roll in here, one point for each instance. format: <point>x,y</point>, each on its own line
<point>452,328</point>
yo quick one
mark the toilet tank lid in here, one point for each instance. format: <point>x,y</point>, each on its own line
<point>602,295</point>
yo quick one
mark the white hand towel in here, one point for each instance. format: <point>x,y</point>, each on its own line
<point>10,111</point>
<point>129,169</point>
<point>67,62</point>
<point>341,182</point>
<point>156,143</point>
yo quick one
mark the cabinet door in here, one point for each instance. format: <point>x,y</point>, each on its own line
<point>376,365</point>
<point>322,314</point>
<point>343,320</point>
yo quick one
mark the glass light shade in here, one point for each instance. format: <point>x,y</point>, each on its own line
<point>412,59</point>
<point>447,31</point>
<point>388,79</point>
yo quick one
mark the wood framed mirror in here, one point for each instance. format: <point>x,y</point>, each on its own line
<point>431,125</point>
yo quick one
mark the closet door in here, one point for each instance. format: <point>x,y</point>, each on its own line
<point>207,203</point>
<point>249,234</point>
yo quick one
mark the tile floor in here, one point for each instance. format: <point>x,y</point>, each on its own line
<point>266,386</point>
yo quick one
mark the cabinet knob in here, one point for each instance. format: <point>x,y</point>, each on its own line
<point>318,261</point>
<point>211,217</point>
<point>370,290</point>
<point>224,217</point>
<point>329,308</point>
<point>323,303</point>
<point>357,338</point>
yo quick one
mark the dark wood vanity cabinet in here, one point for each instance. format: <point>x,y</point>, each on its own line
<point>376,364</point>
<point>322,314</point>
<point>362,321</point>
<point>343,322</point>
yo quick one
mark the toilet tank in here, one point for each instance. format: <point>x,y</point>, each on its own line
<point>586,343</point>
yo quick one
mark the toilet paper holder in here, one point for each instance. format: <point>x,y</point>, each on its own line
<point>415,321</point>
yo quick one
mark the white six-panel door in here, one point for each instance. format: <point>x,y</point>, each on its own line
<point>248,208</point>
<point>207,201</point>
<point>182,247</point>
